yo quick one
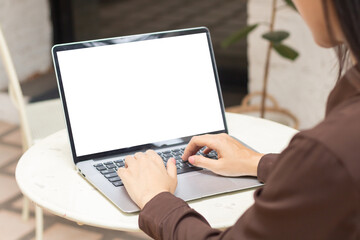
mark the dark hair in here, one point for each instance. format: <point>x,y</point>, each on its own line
<point>348,13</point>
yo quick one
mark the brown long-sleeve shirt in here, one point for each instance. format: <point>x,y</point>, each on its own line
<point>312,188</point>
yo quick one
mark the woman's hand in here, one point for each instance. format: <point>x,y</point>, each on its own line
<point>234,159</point>
<point>145,176</point>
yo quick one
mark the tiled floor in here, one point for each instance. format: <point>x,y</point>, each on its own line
<point>55,228</point>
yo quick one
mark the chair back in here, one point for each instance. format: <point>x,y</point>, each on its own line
<point>15,91</point>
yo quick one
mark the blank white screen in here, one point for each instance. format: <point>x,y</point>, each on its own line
<point>130,94</point>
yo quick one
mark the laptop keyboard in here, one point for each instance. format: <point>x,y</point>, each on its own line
<point>108,169</point>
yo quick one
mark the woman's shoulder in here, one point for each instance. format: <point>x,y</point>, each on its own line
<point>339,133</point>
<point>340,130</point>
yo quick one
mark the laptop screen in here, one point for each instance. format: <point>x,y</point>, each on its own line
<point>124,93</point>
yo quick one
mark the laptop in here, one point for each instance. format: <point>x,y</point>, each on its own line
<point>150,91</point>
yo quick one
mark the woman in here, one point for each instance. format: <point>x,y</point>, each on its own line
<point>312,188</point>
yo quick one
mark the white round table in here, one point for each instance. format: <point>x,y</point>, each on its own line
<point>46,174</point>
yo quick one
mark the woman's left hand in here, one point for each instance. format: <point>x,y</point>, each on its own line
<point>145,176</point>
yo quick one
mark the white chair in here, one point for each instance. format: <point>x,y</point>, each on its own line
<point>37,120</point>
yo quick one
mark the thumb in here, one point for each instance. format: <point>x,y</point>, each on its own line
<point>171,168</point>
<point>121,172</point>
<point>203,162</point>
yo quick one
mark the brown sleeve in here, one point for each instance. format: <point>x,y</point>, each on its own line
<point>265,166</point>
<point>308,195</point>
<point>168,217</point>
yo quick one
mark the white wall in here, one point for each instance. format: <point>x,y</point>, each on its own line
<point>301,86</point>
<point>27,28</point>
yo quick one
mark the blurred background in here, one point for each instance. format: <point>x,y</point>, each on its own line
<point>44,23</point>
<point>32,27</point>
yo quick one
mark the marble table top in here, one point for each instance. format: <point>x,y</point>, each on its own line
<point>46,174</point>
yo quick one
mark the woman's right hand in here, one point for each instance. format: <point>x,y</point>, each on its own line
<point>234,159</point>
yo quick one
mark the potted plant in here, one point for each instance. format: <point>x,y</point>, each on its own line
<point>276,43</point>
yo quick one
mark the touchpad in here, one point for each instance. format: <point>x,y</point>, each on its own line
<point>201,184</point>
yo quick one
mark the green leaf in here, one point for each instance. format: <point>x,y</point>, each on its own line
<point>290,4</point>
<point>286,51</point>
<point>276,36</point>
<point>242,33</point>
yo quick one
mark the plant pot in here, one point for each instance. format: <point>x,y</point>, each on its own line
<point>272,111</point>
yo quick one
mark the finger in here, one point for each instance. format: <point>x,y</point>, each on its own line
<point>129,160</point>
<point>151,154</point>
<point>121,172</point>
<point>171,168</point>
<point>203,162</point>
<point>123,175</point>
<point>139,155</point>
<point>207,150</point>
<point>196,143</point>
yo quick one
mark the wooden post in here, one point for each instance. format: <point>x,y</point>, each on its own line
<point>267,62</point>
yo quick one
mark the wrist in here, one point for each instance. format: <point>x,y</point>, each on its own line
<point>147,197</point>
<point>255,163</point>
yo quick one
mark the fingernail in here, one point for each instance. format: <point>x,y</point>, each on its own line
<point>173,160</point>
<point>191,160</point>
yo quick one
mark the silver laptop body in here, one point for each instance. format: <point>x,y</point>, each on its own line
<point>150,91</point>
